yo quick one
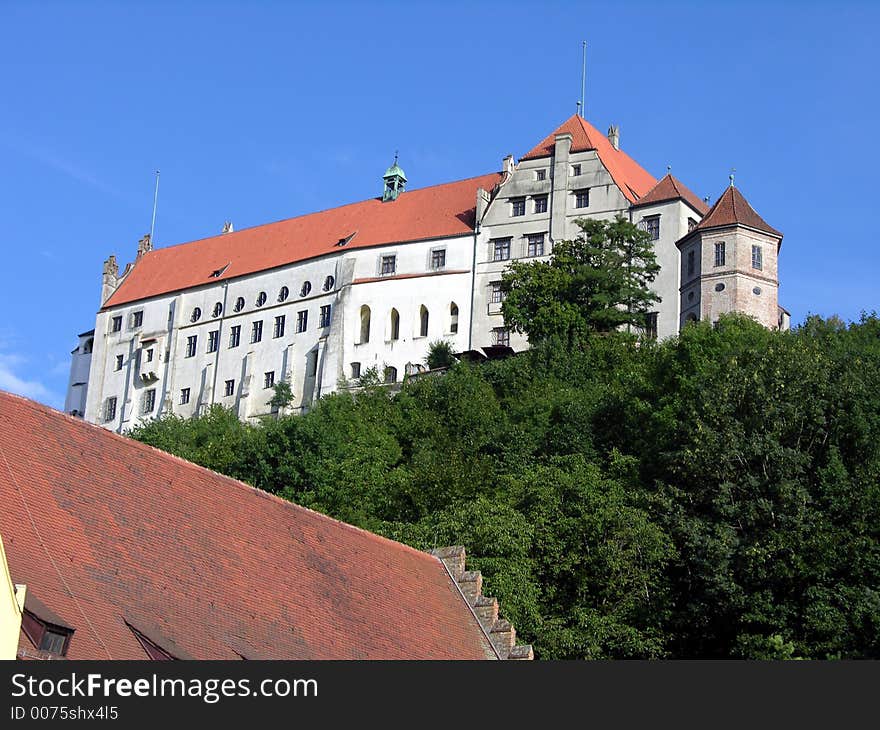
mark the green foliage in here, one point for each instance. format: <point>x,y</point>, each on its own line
<point>440,355</point>
<point>595,283</point>
<point>714,495</point>
<point>283,395</point>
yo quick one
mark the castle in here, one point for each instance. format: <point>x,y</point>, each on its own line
<point>317,300</point>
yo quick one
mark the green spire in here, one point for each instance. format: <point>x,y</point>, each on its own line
<point>395,181</point>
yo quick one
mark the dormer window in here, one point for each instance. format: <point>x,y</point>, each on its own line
<point>153,650</point>
<point>47,631</point>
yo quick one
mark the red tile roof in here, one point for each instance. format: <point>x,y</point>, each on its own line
<point>628,175</point>
<point>114,535</point>
<point>433,212</point>
<point>732,209</point>
<point>670,188</point>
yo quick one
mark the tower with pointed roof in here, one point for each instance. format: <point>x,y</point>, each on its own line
<point>729,263</point>
<point>395,181</point>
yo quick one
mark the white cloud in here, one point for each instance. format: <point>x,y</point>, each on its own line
<point>23,383</point>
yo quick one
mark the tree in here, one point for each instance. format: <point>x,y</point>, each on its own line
<point>440,355</point>
<point>282,397</point>
<point>594,283</point>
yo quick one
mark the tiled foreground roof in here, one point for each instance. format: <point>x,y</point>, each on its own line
<point>114,538</point>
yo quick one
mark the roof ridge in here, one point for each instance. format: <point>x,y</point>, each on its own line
<point>238,231</point>
<point>80,423</point>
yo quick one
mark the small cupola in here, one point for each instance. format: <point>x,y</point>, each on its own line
<point>395,181</point>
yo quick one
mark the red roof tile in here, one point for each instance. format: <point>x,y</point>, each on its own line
<point>732,209</point>
<point>670,188</point>
<point>628,175</point>
<point>114,535</point>
<point>433,212</point>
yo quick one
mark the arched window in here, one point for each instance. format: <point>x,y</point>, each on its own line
<point>306,288</point>
<point>328,283</point>
<point>365,324</point>
<point>395,325</point>
<point>390,374</point>
<point>423,321</point>
<point>261,299</point>
<point>239,304</point>
<point>283,294</point>
<point>453,317</point>
<point>218,309</point>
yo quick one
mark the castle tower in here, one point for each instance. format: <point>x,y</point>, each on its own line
<point>729,264</point>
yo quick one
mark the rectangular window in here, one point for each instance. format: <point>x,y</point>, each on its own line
<point>213,340</point>
<point>575,170</point>
<point>582,198</point>
<point>324,319</point>
<point>389,264</point>
<point>517,206</point>
<point>757,257</point>
<point>501,336</point>
<point>690,263</point>
<point>137,318</point>
<point>438,258</point>
<point>652,226</point>
<point>720,254</point>
<point>119,360</point>
<point>496,293</point>
<point>150,355</point>
<point>540,203</point>
<point>235,336</point>
<point>355,370</point>
<point>257,331</point>
<point>302,320</point>
<point>541,175</point>
<point>191,343</point>
<point>501,249</point>
<point>116,324</point>
<point>536,244</point>
<point>184,396</point>
<point>110,408</point>
<point>149,402</point>
<point>269,379</point>
<point>230,388</point>
<point>278,331</point>
<point>651,325</point>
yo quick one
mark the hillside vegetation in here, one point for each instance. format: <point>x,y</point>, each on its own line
<point>716,495</point>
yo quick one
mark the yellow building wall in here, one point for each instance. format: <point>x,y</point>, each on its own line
<point>11,605</point>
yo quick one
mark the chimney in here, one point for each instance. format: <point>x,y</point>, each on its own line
<point>227,227</point>
<point>482,204</point>
<point>614,136</point>
<point>144,245</point>
<point>507,165</point>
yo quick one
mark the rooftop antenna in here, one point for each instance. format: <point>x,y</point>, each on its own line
<point>155,203</point>
<point>582,104</point>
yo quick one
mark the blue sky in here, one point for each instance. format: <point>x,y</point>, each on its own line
<point>260,111</point>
